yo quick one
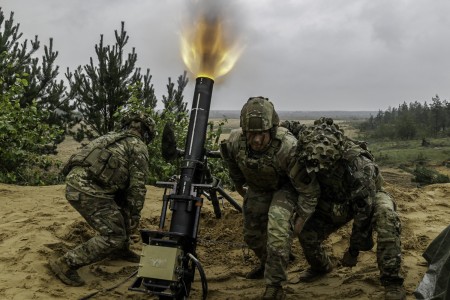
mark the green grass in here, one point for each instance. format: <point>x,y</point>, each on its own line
<point>397,153</point>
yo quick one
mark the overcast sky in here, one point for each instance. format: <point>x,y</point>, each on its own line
<point>303,55</point>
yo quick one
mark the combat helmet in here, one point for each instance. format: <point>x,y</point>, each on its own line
<point>147,124</point>
<point>258,114</point>
<point>320,145</point>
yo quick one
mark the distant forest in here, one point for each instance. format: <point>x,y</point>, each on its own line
<point>300,115</point>
<point>405,122</point>
<point>410,121</point>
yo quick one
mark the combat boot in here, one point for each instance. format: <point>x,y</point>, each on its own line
<point>125,254</point>
<point>274,292</point>
<point>310,275</point>
<point>256,273</point>
<point>65,273</point>
<point>394,292</point>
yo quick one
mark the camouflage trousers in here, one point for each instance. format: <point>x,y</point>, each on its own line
<point>385,222</point>
<point>268,229</point>
<point>105,217</point>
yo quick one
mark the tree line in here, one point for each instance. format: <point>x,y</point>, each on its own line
<point>410,121</point>
<point>38,109</point>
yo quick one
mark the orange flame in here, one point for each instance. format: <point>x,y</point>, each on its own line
<point>208,49</point>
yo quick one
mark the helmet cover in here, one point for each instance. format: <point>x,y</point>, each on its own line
<point>258,114</point>
<point>147,122</point>
<point>320,145</point>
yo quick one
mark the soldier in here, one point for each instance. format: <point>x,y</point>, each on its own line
<point>105,183</point>
<point>258,156</point>
<point>338,181</point>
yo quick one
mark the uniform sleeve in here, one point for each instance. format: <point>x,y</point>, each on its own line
<point>138,169</point>
<point>308,189</point>
<point>228,150</point>
<point>304,183</point>
<point>363,179</point>
<point>286,154</point>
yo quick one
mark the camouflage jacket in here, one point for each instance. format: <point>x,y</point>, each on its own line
<point>342,193</point>
<point>264,172</point>
<point>113,166</point>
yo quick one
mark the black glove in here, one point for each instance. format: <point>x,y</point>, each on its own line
<point>350,258</point>
<point>241,190</point>
<point>134,222</point>
<point>299,224</point>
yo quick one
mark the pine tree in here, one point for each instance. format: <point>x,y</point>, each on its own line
<point>437,115</point>
<point>43,88</point>
<point>99,91</point>
<point>19,55</point>
<point>24,136</point>
<point>174,101</point>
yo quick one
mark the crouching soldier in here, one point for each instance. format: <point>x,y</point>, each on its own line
<point>258,155</point>
<point>105,183</point>
<point>338,181</point>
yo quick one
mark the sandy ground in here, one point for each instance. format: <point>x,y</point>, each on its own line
<point>37,223</point>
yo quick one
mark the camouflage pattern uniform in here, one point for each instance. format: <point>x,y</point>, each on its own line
<point>343,185</point>
<point>270,200</point>
<point>107,191</point>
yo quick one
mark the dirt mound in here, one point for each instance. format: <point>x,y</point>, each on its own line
<point>37,223</point>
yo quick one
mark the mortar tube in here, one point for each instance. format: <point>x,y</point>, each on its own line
<point>185,215</point>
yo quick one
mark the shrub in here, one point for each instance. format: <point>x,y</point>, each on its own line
<point>425,176</point>
<point>23,138</point>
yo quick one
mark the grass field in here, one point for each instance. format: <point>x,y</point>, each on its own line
<point>412,152</point>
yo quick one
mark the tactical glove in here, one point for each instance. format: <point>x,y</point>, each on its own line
<point>241,190</point>
<point>299,224</point>
<point>134,222</point>
<point>350,258</point>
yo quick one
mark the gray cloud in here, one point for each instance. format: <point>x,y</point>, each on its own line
<point>305,55</point>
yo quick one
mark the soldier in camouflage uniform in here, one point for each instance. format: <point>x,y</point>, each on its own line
<point>338,181</point>
<point>258,155</point>
<point>105,183</point>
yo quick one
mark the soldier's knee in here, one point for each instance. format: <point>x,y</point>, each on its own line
<point>388,226</point>
<point>383,201</point>
<point>385,211</point>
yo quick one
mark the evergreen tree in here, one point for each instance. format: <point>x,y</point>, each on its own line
<point>447,115</point>
<point>99,91</point>
<point>43,86</point>
<point>410,121</point>
<point>24,136</point>
<point>176,114</point>
<point>437,115</point>
<point>406,129</point>
<point>19,55</point>
<point>174,101</point>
